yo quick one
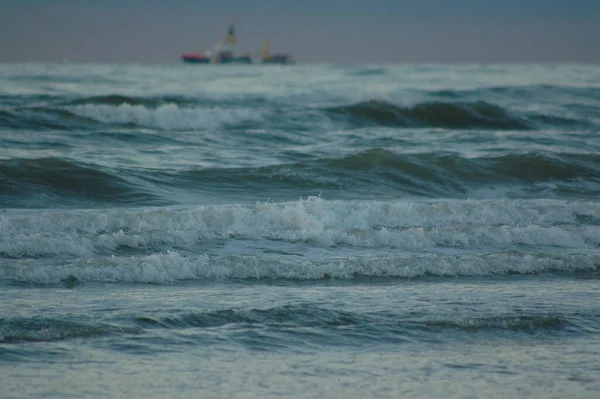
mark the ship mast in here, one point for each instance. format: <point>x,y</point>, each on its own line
<point>230,38</point>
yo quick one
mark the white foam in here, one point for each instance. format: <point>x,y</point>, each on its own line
<point>403,225</point>
<point>169,116</point>
<point>171,266</point>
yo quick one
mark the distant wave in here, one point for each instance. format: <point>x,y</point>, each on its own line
<point>165,117</point>
<point>163,112</point>
<point>365,71</point>
<point>158,101</point>
<point>170,116</point>
<point>119,99</point>
<point>449,115</point>
<point>459,110</point>
<point>505,322</point>
<point>528,91</point>
<point>435,114</point>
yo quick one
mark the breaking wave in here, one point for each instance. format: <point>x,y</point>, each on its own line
<point>412,239</point>
<point>171,267</point>
<point>168,116</point>
<point>165,113</point>
<point>449,109</point>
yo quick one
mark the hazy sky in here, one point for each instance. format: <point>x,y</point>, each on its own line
<point>312,30</point>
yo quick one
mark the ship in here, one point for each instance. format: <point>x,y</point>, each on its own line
<point>269,58</point>
<point>224,52</point>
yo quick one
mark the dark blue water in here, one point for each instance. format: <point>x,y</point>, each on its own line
<point>299,231</point>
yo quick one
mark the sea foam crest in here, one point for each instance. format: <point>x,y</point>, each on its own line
<point>171,266</point>
<point>168,116</point>
<point>402,225</point>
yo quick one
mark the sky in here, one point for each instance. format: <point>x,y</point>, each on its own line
<point>313,31</point>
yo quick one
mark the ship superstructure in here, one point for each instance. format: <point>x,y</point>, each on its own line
<point>224,52</point>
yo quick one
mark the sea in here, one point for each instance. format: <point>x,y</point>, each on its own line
<point>299,231</point>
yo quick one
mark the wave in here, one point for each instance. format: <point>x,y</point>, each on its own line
<point>439,238</point>
<point>365,71</point>
<point>453,167</point>
<point>179,100</point>
<point>8,120</point>
<point>303,219</point>
<point>432,114</point>
<point>164,113</point>
<point>169,116</point>
<point>377,173</point>
<point>425,174</point>
<point>52,182</point>
<point>276,326</point>
<point>35,118</point>
<point>315,323</point>
<point>313,316</point>
<point>521,91</point>
<point>41,181</point>
<point>300,315</point>
<point>449,115</point>
<point>506,322</point>
<point>457,110</point>
<point>17,330</point>
<point>119,99</point>
<point>308,315</point>
<point>171,266</point>
<point>430,175</point>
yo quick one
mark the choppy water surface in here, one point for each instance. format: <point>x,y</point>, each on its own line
<point>299,231</point>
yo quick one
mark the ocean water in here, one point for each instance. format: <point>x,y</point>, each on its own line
<point>384,231</point>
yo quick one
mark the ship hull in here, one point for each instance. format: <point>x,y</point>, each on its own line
<point>236,60</point>
<point>195,59</point>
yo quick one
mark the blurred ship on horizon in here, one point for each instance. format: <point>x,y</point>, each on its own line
<point>224,52</point>
<point>269,58</point>
<point>227,52</point>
